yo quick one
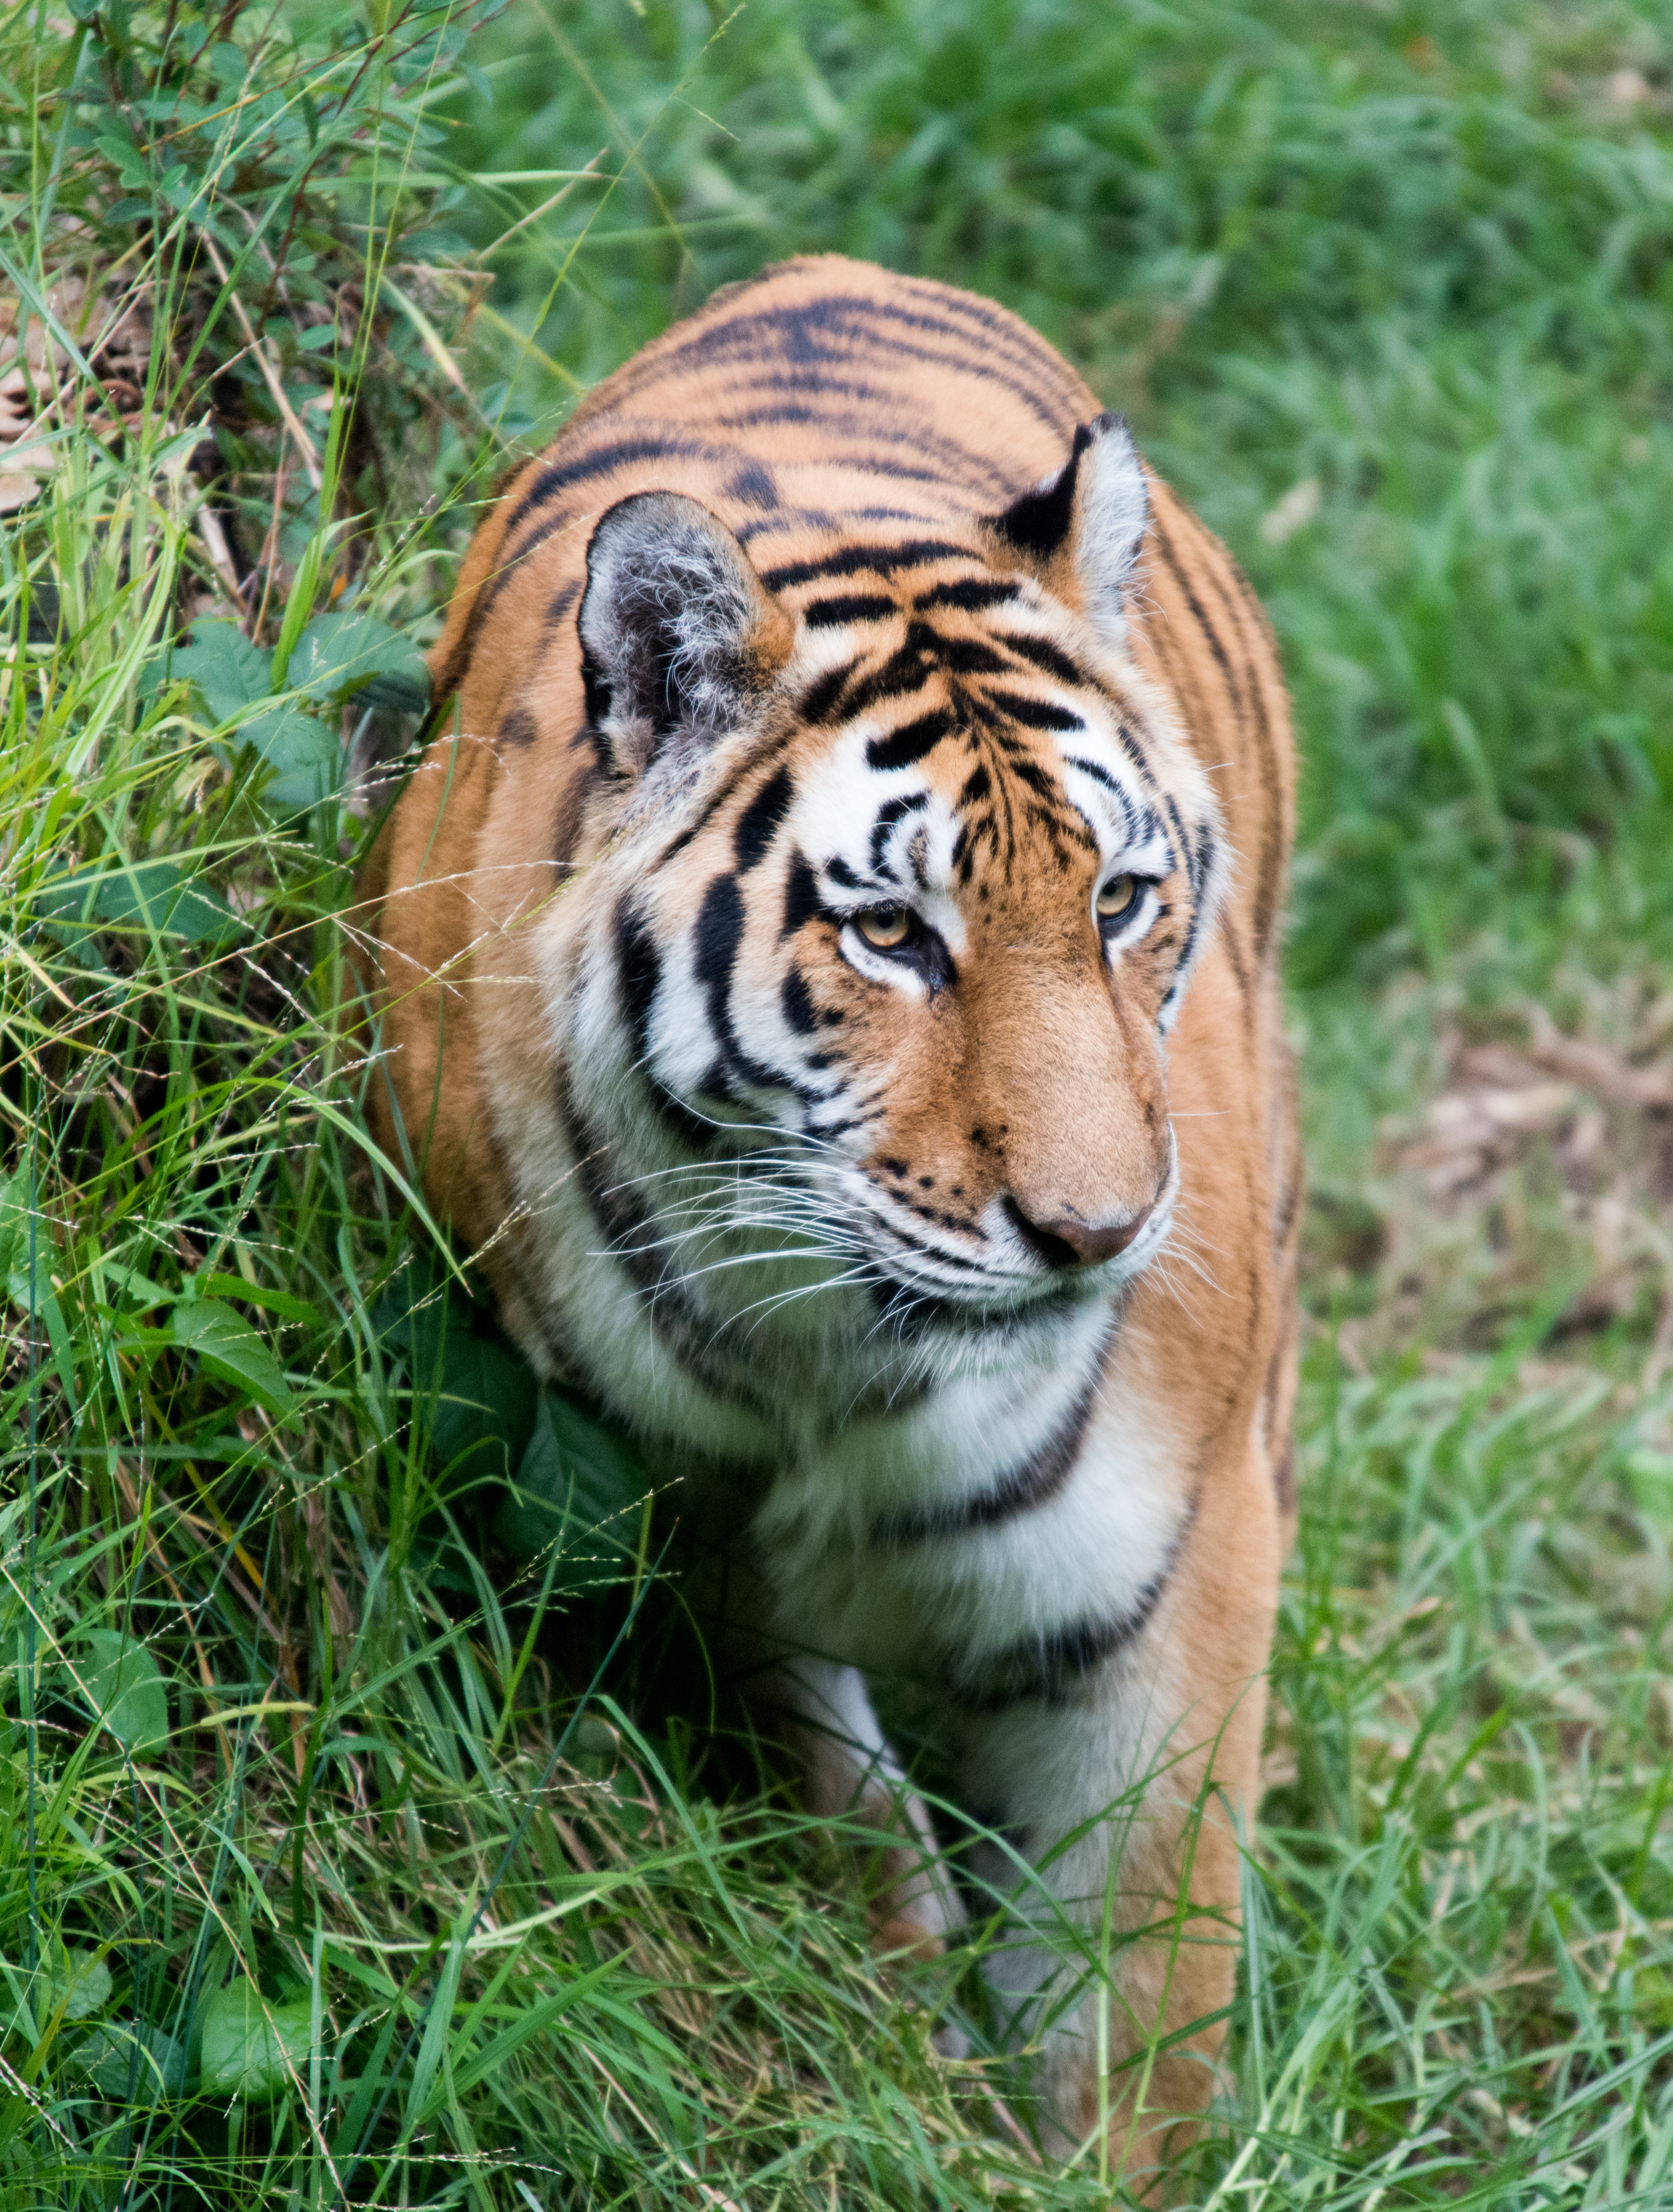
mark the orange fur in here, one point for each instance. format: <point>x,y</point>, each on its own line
<point>1015,1084</point>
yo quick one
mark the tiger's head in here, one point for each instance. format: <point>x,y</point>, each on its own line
<point>898,869</point>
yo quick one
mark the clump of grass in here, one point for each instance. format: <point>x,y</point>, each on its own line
<point>355,1847</point>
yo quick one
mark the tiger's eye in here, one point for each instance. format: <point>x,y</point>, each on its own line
<point>1116,897</point>
<point>887,927</point>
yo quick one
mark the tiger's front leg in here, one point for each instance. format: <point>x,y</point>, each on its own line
<point>850,1772</point>
<point>1121,1784</point>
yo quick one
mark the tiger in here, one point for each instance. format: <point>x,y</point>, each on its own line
<point>828,972</point>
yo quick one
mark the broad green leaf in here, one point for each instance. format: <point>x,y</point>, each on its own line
<point>151,896</point>
<point>304,756</point>
<point>577,1487</point>
<point>484,1405</point>
<point>402,691</point>
<point>234,1349</point>
<point>251,2047</point>
<point>480,1392</point>
<point>229,673</point>
<point>86,1978</point>
<point>125,1686</point>
<point>233,676</point>
<point>126,2059</point>
<point>343,651</point>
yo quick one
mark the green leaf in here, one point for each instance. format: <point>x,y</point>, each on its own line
<point>14,1229</point>
<point>258,1294</point>
<point>86,1978</point>
<point>577,1487</point>
<point>304,756</point>
<point>252,2048</point>
<point>125,1686</point>
<point>400,692</point>
<point>232,1348</point>
<point>479,1390</point>
<point>126,2058</point>
<point>154,896</point>
<point>340,653</point>
<point>485,1403</point>
<point>229,673</point>
<point>232,676</point>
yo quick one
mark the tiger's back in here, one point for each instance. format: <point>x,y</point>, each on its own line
<point>940,652</point>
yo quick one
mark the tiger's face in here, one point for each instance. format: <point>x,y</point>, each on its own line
<point>901,872</point>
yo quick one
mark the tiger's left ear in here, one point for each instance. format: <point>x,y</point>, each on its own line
<point>680,638</point>
<point>1081,530</point>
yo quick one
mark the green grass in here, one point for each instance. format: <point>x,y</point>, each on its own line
<point>361,1844</point>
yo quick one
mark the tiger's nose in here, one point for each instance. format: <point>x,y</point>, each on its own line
<point>1069,1242</point>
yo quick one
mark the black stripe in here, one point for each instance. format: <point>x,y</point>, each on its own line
<point>889,814</point>
<point>717,798</point>
<point>901,676</point>
<point>1135,752</point>
<point>970,593</point>
<point>1037,1479</point>
<point>964,656</point>
<point>1035,713</point>
<point>999,326</point>
<point>752,485</point>
<point>855,560</point>
<point>819,700</point>
<point>639,966</point>
<point>558,475</point>
<point>801,901</point>
<point>1185,849</point>
<point>717,937</point>
<point>864,461</point>
<point>1043,655</point>
<point>1192,860</point>
<point>761,820</point>
<point>856,606</point>
<point>1037,779</point>
<point>1051,1670</point>
<point>800,1013</point>
<point>910,742</point>
<point>1102,775</point>
<point>1272,861</point>
<point>876,421</point>
<point>686,1334</point>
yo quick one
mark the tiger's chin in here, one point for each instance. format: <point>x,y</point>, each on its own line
<point>1010,1308</point>
<point>1003,1297</point>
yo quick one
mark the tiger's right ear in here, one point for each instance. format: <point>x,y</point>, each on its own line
<point>1081,530</point>
<point>680,638</point>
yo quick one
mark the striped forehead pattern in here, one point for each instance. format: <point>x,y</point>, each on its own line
<point>831,411</point>
<point>970,680</point>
